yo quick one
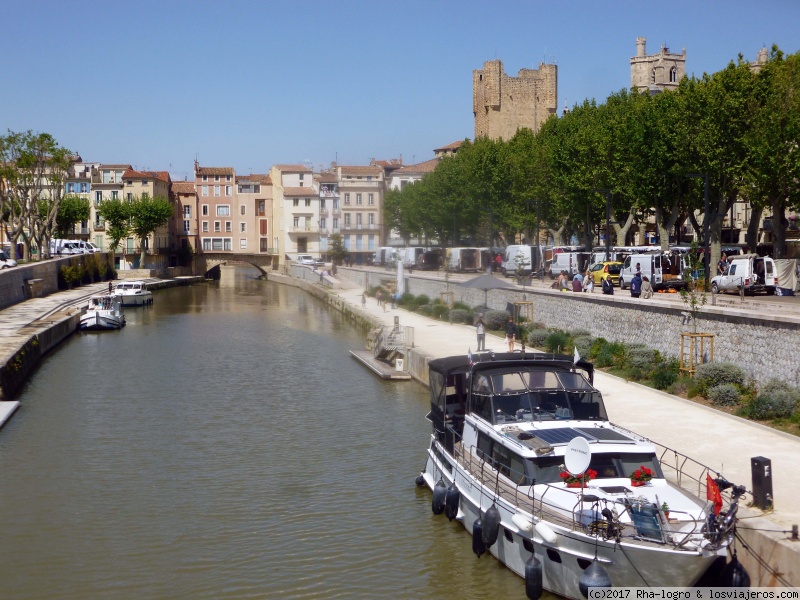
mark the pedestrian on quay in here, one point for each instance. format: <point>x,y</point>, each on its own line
<point>577,283</point>
<point>480,329</point>
<point>608,286</point>
<point>636,285</point>
<point>379,297</point>
<point>364,300</point>
<point>722,265</point>
<point>110,287</point>
<point>511,333</point>
<point>647,288</point>
<point>588,282</point>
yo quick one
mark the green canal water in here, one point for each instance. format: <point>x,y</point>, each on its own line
<point>225,445</point>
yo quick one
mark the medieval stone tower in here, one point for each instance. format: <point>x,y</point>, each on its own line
<point>503,104</point>
<point>656,72</point>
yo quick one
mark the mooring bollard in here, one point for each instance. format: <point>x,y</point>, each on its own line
<point>761,469</point>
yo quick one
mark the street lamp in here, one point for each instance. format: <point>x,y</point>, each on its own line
<point>608,221</point>
<point>706,223</point>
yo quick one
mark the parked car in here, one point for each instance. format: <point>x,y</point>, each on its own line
<point>318,262</point>
<point>601,270</point>
<point>92,248</point>
<point>748,272</point>
<point>306,259</point>
<point>6,262</point>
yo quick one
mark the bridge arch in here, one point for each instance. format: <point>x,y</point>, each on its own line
<point>208,262</point>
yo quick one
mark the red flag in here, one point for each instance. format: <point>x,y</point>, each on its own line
<point>712,493</point>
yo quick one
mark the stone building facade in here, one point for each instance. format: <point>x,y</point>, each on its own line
<point>656,72</point>
<point>503,104</point>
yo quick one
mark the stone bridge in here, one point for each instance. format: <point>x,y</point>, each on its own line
<point>208,262</point>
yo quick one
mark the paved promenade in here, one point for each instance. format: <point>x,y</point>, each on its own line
<point>723,442</point>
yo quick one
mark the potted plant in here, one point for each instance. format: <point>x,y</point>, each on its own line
<point>641,476</point>
<point>665,510</point>
<point>576,481</point>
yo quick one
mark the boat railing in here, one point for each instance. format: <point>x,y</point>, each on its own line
<point>586,515</point>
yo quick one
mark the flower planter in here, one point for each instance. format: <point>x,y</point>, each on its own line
<point>638,483</point>
<point>574,485</point>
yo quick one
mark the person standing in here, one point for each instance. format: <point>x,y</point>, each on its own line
<point>480,329</point>
<point>722,265</point>
<point>636,285</point>
<point>364,300</point>
<point>608,286</point>
<point>588,282</point>
<point>511,333</point>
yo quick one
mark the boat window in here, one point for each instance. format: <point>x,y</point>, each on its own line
<point>437,389</point>
<point>508,382</point>
<point>545,470</point>
<point>509,408</point>
<point>574,381</point>
<point>481,385</point>
<point>541,379</point>
<point>587,406</point>
<point>503,459</point>
<point>630,462</point>
<point>482,406</point>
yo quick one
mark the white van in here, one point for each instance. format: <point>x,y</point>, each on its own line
<point>571,262</point>
<point>384,256</point>
<point>517,257</point>
<point>664,270</point>
<point>748,272</point>
<point>463,259</point>
<point>410,256</point>
<point>61,247</point>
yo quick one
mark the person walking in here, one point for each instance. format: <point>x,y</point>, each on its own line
<point>722,265</point>
<point>480,329</point>
<point>511,333</point>
<point>364,300</point>
<point>636,285</point>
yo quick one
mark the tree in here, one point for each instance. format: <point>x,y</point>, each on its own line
<point>33,169</point>
<point>73,209</point>
<point>148,214</point>
<point>116,214</point>
<point>337,250</point>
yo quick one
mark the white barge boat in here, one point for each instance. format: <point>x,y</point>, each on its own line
<point>134,293</point>
<point>103,312</point>
<point>499,461</point>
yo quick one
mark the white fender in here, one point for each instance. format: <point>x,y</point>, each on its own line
<point>522,522</point>
<point>548,535</point>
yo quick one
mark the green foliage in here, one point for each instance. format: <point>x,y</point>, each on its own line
<point>641,357</point>
<point>665,375</point>
<point>439,311</point>
<point>495,319</point>
<point>536,337</point>
<point>425,309</point>
<point>148,214</point>
<point>725,394</point>
<point>422,299</point>
<point>336,249</point>
<point>460,315</point>
<point>558,342</point>
<point>776,400</point>
<point>116,214</point>
<point>710,375</point>
<point>73,209</point>
<point>462,306</point>
<point>584,344</point>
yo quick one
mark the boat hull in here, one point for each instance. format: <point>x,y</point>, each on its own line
<point>137,299</point>
<point>96,321</point>
<point>568,552</point>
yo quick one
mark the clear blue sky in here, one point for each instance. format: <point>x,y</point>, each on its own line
<point>249,84</point>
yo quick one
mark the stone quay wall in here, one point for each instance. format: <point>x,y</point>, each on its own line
<point>764,345</point>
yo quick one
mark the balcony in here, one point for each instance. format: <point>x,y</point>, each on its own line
<point>303,229</point>
<point>323,193</point>
<point>360,183</point>
<point>323,212</point>
<point>360,227</point>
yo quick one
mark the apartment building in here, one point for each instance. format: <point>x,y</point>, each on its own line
<point>255,224</point>
<point>106,184</point>
<point>185,226</point>
<point>217,201</point>
<point>296,206</point>
<point>361,189</point>
<point>329,210</point>
<point>78,182</point>
<point>149,184</point>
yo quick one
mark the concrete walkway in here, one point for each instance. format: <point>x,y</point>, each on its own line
<point>721,441</point>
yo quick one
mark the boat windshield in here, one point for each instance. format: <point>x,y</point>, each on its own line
<point>535,395</point>
<point>547,469</point>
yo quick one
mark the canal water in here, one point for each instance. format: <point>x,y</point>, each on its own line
<point>225,445</point>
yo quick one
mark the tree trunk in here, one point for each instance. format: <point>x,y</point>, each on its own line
<point>751,238</point>
<point>779,225</point>
<point>621,232</point>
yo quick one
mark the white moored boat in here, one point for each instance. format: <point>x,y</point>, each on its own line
<point>507,429</point>
<point>103,312</point>
<point>134,293</point>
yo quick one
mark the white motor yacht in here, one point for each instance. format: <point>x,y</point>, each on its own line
<point>524,456</point>
<point>103,312</point>
<point>134,293</point>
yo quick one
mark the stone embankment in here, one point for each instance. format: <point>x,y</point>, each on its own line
<point>762,343</point>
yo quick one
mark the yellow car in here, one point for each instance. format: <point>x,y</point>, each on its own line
<point>601,270</point>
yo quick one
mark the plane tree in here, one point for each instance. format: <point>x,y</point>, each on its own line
<point>117,214</point>
<point>74,209</point>
<point>146,215</point>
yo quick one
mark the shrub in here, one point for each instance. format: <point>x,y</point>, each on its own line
<point>710,375</point>
<point>665,374</point>
<point>584,344</point>
<point>725,394</point>
<point>597,345</point>
<point>439,310</point>
<point>459,315</point>
<point>536,337</point>
<point>423,299</point>
<point>640,357</point>
<point>406,299</point>
<point>480,309</point>
<point>536,325</point>
<point>558,342</point>
<point>576,333</point>
<point>461,306</point>
<point>776,400</point>
<point>495,319</point>
<point>425,309</point>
